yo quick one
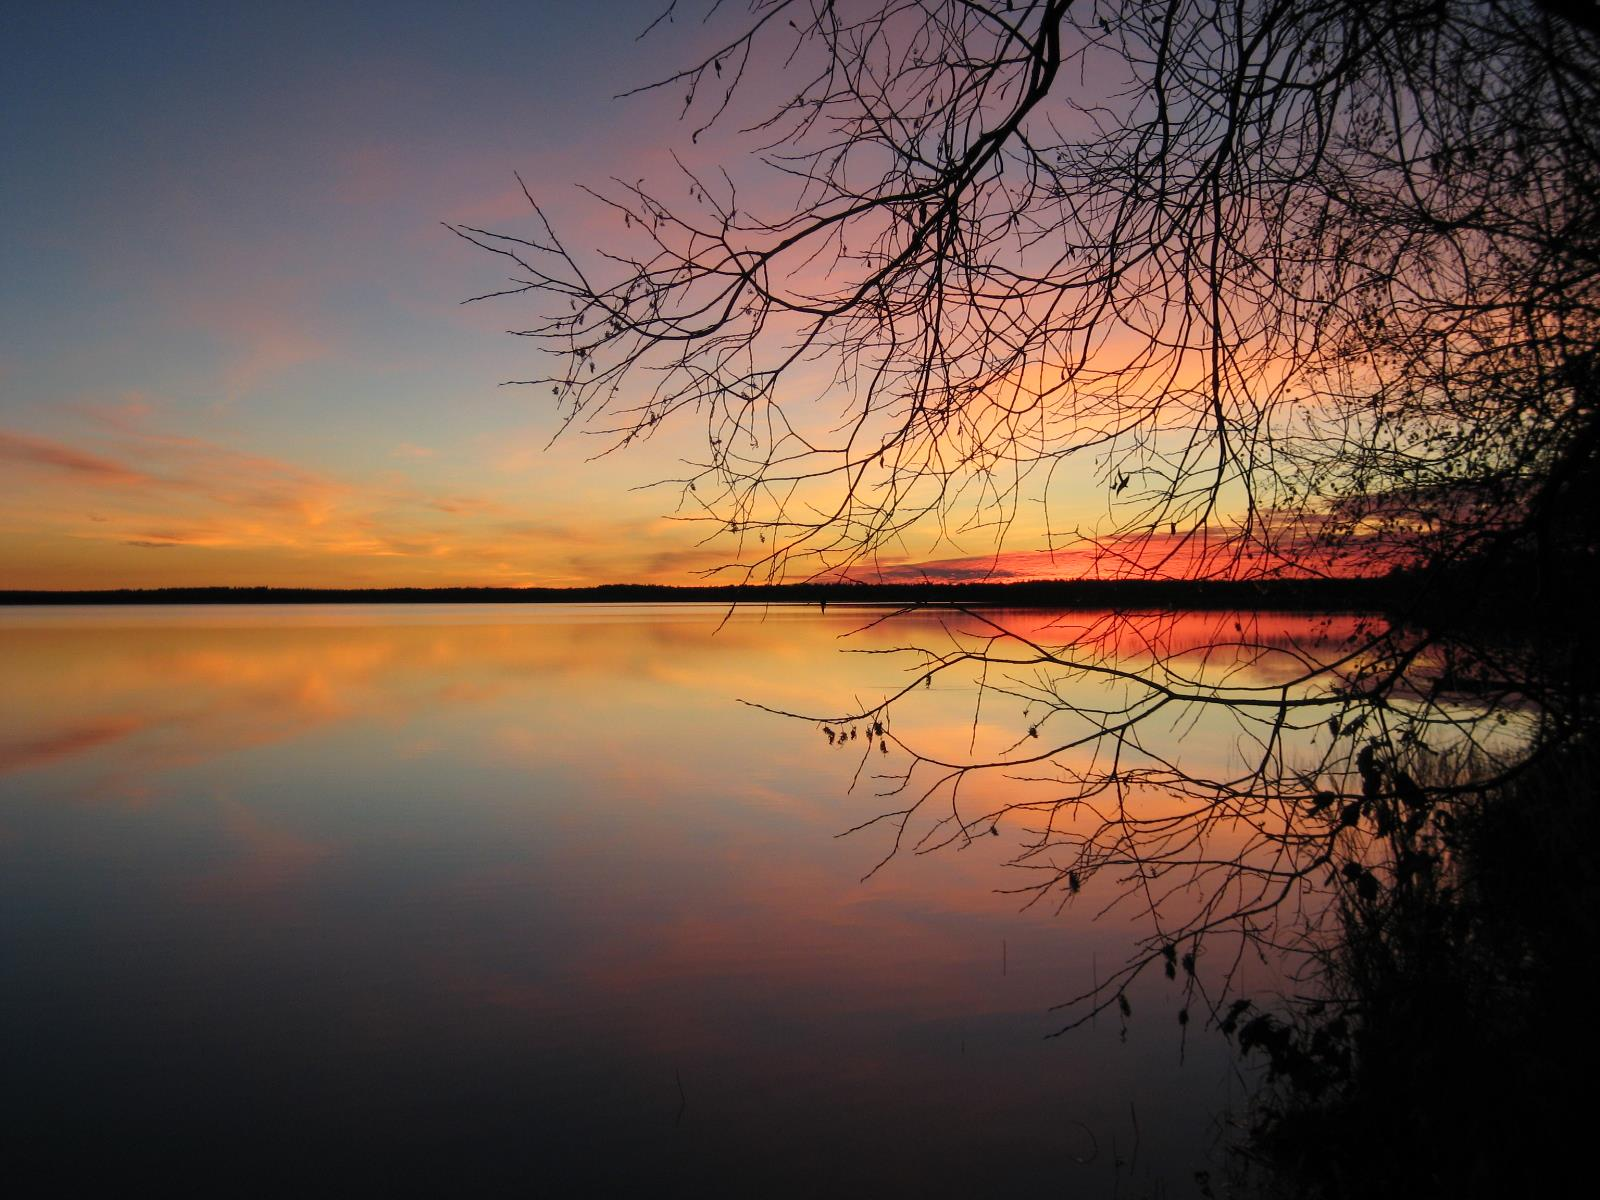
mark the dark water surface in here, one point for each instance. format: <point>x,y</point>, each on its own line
<point>483,898</point>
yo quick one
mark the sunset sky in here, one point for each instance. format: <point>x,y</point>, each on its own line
<point>232,349</point>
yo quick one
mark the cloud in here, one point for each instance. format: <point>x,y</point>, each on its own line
<point>468,504</point>
<point>1282,545</point>
<point>228,516</point>
<point>82,516</point>
<point>42,452</point>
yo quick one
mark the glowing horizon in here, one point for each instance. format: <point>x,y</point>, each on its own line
<point>235,349</point>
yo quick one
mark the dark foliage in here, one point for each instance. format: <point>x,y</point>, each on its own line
<point>1448,1051</point>
<point>1304,288</point>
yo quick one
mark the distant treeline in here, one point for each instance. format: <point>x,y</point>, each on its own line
<point>1315,594</point>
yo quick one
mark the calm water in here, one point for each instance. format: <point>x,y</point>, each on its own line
<point>452,897</point>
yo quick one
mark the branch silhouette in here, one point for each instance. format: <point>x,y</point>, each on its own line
<point>1301,289</point>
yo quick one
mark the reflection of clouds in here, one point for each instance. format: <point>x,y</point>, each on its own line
<point>64,741</point>
<point>198,697</point>
<point>1139,637</point>
<point>762,913</point>
<point>149,698</point>
<point>204,692</point>
<point>639,714</point>
<point>266,858</point>
<point>556,832</point>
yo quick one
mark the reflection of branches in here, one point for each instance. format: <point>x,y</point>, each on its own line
<point>1295,287</point>
<point>1214,773</point>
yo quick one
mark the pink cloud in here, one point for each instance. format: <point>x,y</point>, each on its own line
<point>1209,553</point>
<point>42,452</point>
<point>83,517</point>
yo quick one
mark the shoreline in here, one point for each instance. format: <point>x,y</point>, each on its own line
<point>1201,595</point>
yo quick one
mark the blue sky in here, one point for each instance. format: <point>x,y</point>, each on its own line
<point>232,348</point>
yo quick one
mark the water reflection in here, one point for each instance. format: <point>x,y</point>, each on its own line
<point>455,897</point>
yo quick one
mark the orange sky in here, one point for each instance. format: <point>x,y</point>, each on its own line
<point>232,348</point>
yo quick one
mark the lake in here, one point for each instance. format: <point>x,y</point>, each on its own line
<point>458,898</point>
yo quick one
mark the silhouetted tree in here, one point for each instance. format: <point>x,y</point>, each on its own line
<point>1308,288</point>
<point>1285,276</point>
